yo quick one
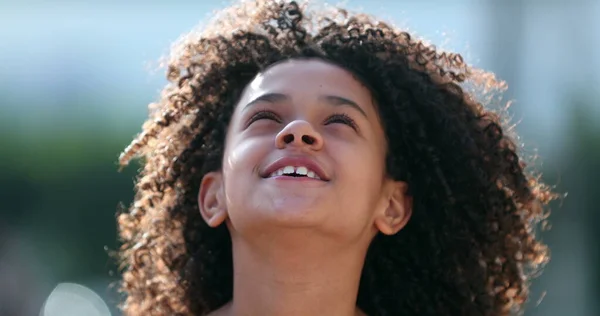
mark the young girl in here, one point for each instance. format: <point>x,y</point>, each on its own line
<point>308,162</point>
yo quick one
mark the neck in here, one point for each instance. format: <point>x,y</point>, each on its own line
<point>295,275</point>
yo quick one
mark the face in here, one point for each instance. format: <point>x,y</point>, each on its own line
<point>305,148</point>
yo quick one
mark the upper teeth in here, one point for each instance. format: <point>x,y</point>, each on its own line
<point>295,170</point>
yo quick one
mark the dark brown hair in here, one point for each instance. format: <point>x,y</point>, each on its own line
<point>470,246</point>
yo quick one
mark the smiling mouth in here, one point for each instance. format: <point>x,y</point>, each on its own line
<point>296,172</point>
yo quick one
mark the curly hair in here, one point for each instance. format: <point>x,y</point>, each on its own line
<point>470,247</point>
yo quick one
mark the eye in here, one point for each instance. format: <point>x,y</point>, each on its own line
<point>341,118</point>
<point>264,114</point>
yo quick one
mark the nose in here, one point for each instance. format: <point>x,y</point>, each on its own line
<point>299,133</point>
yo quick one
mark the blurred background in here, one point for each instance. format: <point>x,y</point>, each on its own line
<point>76,77</point>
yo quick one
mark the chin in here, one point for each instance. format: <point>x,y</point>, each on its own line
<point>297,211</point>
<point>288,212</point>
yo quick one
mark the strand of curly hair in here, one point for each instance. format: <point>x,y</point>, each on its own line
<point>470,247</point>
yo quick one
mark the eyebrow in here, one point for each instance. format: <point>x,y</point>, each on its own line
<point>331,99</point>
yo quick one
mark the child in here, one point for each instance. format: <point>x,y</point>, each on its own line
<point>316,163</point>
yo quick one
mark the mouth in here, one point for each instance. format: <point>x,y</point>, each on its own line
<point>295,167</point>
<point>296,172</point>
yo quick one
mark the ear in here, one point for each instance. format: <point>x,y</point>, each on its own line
<point>396,210</point>
<point>211,199</point>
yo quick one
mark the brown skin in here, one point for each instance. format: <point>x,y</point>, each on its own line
<point>289,236</point>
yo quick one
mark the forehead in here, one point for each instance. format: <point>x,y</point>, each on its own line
<point>308,76</point>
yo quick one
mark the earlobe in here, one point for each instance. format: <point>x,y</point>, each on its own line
<point>397,211</point>
<point>210,199</point>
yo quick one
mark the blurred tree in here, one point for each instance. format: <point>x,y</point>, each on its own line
<point>62,194</point>
<point>583,165</point>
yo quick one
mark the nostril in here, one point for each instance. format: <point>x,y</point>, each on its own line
<point>288,138</point>
<point>308,140</point>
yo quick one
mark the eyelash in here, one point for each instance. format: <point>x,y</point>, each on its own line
<point>264,114</point>
<point>334,118</point>
<point>343,118</point>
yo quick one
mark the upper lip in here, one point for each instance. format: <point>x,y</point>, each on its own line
<point>296,161</point>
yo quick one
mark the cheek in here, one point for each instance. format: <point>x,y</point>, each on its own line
<point>242,155</point>
<point>240,170</point>
<point>361,176</point>
<point>361,161</point>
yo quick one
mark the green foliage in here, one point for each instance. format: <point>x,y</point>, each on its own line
<point>63,192</point>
